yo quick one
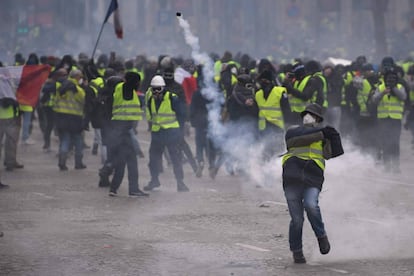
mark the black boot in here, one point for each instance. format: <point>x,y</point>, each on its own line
<point>298,257</point>
<point>62,161</point>
<point>324,246</point>
<point>104,174</point>
<point>95,149</point>
<point>181,187</point>
<point>78,163</point>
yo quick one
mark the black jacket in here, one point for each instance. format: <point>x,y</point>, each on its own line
<point>297,171</point>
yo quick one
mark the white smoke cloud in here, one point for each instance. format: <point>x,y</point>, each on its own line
<point>361,220</point>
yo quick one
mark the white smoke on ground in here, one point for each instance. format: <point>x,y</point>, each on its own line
<point>364,209</point>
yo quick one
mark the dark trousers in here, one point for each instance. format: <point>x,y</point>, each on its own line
<point>47,124</point>
<point>201,143</point>
<point>125,157</point>
<point>169,139</point>
<point>389,142</point>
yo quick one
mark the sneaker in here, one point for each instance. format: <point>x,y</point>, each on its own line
<point>181,187</point>
<point>324,245</point>
<point>138,193</point>
<point>199,171</point>
<point>298,257</point>
<point>3,186</point>
<point>111,193</point>
<point>28,142</point>
<point>151,185</point>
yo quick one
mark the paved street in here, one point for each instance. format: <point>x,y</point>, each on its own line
<point>61,223</point>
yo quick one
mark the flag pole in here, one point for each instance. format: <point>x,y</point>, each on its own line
<point>97,41</point>
<point>113,6</point>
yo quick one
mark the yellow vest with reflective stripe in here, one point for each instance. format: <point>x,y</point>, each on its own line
<point>51,100</point>
<point>312,152</point>
<point>349,76</point>
<point>362,97</point>
<point>164,117</point>
<point>269,109</point>
<point>97,83</point>
<point>25,108</point>
<point>7,112</point>
<point>70,102</point>
<point>296,104</point>
<point>412,96</point>
<point>324,89</point>
<point>390,106</point>
<point>126,110</point>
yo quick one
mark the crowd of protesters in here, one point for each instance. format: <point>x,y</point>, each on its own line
<point>367,101</point>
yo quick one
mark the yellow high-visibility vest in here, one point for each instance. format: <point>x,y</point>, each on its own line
<point>126,110</point>
<point>269,109</point>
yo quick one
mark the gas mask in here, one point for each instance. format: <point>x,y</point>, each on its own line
<point>309,119</point>
<point>157,92</point>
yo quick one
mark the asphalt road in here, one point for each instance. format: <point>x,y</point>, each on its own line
<point>61,223</point>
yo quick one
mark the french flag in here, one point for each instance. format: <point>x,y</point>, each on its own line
<point>23,83</point>
<point>114,8</point>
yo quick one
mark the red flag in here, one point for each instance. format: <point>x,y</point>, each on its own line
<point>114,8</point>
<point>23,83</point>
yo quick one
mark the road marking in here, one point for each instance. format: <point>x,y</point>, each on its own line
<point>253,247</point>
<point>264,203</point>
<point>337,270</point>
<point>44,195</point>
<point>369,220</point>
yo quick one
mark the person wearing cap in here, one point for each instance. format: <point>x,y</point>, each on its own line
<point>308,146</point>
<point>389,97</point>
<point>274,112</point>
<point>164,110</point>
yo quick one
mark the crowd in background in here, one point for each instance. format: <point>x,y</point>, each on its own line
<point>351,95</point>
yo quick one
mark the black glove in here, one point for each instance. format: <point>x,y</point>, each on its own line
<point>391,80</point>
<point>329,132</point>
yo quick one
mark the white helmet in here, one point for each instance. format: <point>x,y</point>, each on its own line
<point>157,81</point>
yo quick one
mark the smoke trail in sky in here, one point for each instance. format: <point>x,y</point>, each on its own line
<point>235,140</point>
<point>209,91</point>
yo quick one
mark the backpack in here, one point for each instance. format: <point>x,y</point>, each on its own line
<point>101,108</point>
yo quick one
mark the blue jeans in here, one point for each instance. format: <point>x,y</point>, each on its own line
<point>68,139</point>
<point>27,120</point>
<point>299,198</point>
